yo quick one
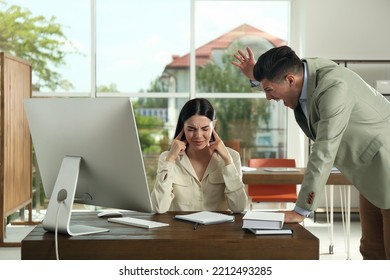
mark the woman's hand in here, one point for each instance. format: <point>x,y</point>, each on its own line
<point>245,63</point>
<point>178,147</point>
<point>219,147</point>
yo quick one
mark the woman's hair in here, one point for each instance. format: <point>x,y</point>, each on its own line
<point>276,63</point>
<point>196,106</point>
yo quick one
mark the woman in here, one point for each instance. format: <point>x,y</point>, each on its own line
<point>198,172</point>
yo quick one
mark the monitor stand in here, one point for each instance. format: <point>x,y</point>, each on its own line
<point>60,206</point>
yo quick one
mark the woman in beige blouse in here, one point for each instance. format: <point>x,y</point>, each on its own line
<point>198,172</point>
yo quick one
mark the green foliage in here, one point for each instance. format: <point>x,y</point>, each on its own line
<point>146,140</point>
<point>151,125</point>
<point>155,86</point>
<point>147,126</point>
<point>158,85</point>
<point>36,39</point>
<point>110,88</point>
<point>165,141</point>
<point>240,118</point>
<point>153,102</point>
<point>148,122</point>
<point>221,78</point>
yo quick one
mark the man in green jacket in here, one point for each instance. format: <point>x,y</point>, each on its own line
<point>349,122</point>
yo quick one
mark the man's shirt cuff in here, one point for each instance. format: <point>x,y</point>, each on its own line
<point>302,211</point>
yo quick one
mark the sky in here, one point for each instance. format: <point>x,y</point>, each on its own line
<point>136,39</point>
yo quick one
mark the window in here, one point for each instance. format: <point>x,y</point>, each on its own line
<point>161,53</point>
<point>136,39</point>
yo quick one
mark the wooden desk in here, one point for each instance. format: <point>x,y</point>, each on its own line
<point>177,241</point>
<point>260,176</point>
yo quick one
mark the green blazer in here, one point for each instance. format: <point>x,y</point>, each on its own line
<point>349,122</point>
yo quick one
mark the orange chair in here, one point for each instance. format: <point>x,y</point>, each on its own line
<point>272,192</point>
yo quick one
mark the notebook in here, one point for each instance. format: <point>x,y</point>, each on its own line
<point>206,217</point>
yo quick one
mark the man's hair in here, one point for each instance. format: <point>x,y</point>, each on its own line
<point>276,63</point>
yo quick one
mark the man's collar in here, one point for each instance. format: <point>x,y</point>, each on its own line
<point>303,96</point>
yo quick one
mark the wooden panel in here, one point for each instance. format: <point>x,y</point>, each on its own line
<point>15,145</point>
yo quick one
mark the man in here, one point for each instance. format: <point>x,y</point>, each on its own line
<point>349,122</point>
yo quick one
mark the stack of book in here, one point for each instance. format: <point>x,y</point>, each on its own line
<point>264,222</point>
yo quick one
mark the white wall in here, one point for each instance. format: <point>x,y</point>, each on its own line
<point>341,29</point>
<point>336,29</point>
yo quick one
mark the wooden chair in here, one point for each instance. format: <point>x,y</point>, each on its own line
<point>271,192</point>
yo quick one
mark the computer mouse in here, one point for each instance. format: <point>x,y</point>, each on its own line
<point>109,214</point>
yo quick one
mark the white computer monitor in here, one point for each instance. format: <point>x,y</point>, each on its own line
<point>87,151</point>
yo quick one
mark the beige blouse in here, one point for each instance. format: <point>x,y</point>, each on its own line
<point>177,187</point>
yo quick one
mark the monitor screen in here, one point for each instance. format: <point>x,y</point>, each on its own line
<point>88,150</point>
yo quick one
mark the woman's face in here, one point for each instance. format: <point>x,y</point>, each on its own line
<point>198,131</point>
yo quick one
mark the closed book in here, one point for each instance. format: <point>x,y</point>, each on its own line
<point>263,220</point>
<point>206,217</point>
<point>283,230</point>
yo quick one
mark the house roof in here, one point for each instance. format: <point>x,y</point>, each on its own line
<point>204,53</point>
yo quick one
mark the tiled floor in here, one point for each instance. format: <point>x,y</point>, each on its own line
<point>319,228</point>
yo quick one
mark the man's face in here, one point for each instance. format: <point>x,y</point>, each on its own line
<point>283,90</point>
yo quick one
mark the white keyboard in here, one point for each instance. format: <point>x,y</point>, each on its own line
<point>137,222</point>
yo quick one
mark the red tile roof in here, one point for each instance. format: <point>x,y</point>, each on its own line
<point>203,53</point>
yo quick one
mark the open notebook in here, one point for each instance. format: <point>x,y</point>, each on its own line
<point>206,217</point>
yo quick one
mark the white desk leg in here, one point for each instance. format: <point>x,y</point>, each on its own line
<point>346,214</point>
<point>348,221</point>
<point>331,220</point>
<point>329,210</point>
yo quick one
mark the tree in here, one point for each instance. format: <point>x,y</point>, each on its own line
<point>236,118</point>
<point>37,40</point>
<point>108,88</point>
<point>155,86</point>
